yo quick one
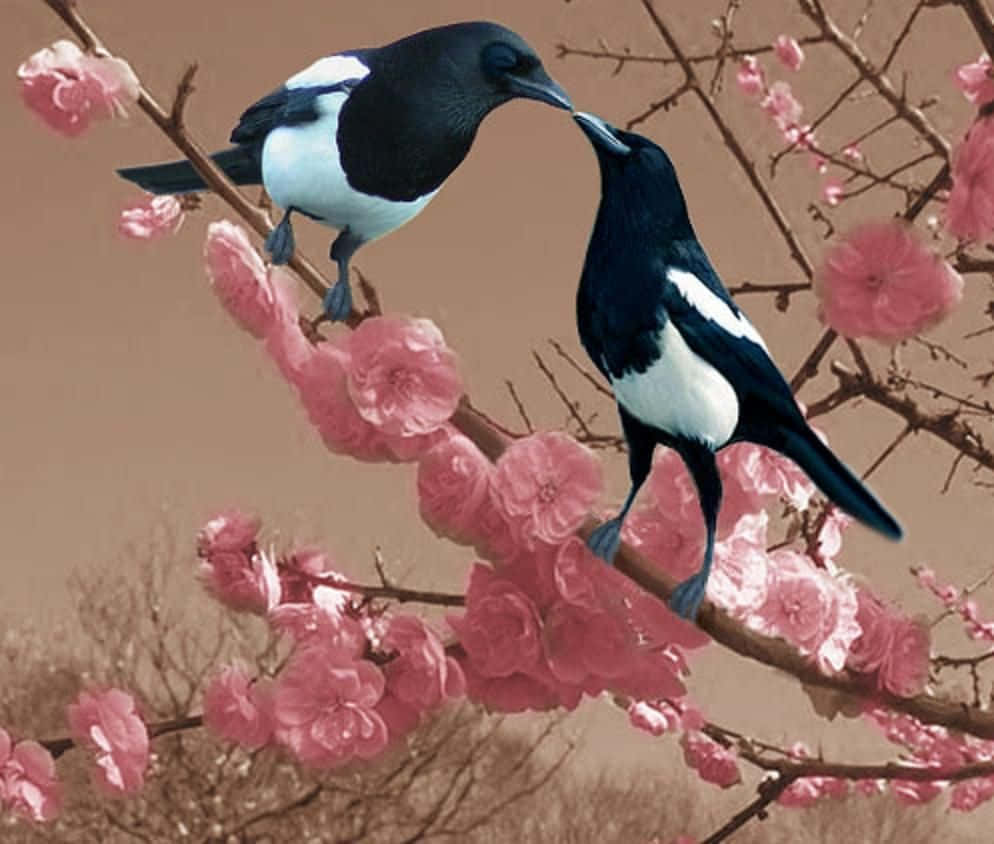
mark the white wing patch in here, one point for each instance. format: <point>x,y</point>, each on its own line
<point>329,71</point>
<point>681,393</point>
<point>711,306</point>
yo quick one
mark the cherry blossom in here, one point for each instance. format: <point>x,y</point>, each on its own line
<point>253,297</point>
<point>781,105</point>
<point>68,88</point>
<point>453,488</point>
<point>713,763</point>
<point>789,52</point>
<point>976,81</point>
<point>970,210</point>
<point>27,779</point>
<point>750,77</point>
<point>239,708</point>
<point>880,281</point>
<point>324,706</point>
<point>155,217</point>
<point>107,722</point>
<point>401,376</point>
<point>546,484</point>
<point>421,675</point>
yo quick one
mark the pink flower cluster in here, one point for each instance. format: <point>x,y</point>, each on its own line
<point>806,791</point>
<point>108,724</point>
<point>68,88</point>
<point>153,218</point>
<point>382,392</point>
<point>28,785</point>
<point>357,677</point>
<point>929,746</point>
<point>777,98</point>
<point>958,602</point>
<point>976,81</point>
<point>881,281</point>
<point>891,647</point>
<point>714,764</point>
<point>970,210</point>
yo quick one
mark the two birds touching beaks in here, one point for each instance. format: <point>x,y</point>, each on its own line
<point>362,140</point>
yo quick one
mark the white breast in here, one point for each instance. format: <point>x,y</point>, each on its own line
<point>301,165</point>
<point>681,393</point>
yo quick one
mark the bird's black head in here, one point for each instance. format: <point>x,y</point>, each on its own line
<point>476,66</point>
<point>637,176</point>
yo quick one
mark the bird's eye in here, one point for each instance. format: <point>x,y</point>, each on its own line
<point>499,58</point>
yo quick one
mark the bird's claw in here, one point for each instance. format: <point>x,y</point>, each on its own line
<point>604,541</point>
<point>280,242</point>
<point>687,597</point>
<point>338,301</point>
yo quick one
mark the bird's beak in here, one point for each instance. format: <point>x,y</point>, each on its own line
<point>600,133</point>
<point>539,86</point>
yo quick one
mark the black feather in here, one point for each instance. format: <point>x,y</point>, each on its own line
<point>240,164</point>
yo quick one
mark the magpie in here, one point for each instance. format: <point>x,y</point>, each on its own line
<point>362,140</point>
<point>687,368</point>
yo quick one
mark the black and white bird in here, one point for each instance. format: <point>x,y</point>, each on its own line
<point>688,369</point>
<point>363,140</point>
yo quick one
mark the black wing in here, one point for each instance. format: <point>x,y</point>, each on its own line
<point>284,107</point>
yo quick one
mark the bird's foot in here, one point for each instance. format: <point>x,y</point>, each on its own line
<point>338,301</point>
<point>280,242</point>
<point>605,540</point>
<point>687,597</point>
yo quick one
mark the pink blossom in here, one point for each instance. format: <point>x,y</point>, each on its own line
<point>880,281</point>
<point>534,572</point>
<point>229,530</point>
<point>789,52</point>
<point>239,278</point>
<point>322,382</point>
<point>580,645</point>
<point>68,88</point>
<point>976,81</point>
<point>108,724</point>
<point>518,692</point>
<point>321,619</point>
<point>495,539</point>
<point>546,484</point>
<point>453,487</point>
<point>762,472</point>
<point>904,669</point>
<point>832,191</point>
<point>875,641</point>
<point>713,763</point>
<point>809,608</point>
<point>325,706</point>
<point>781,105</point>
<point>653,718</point>
<point>806,791</point>
<point>739,581</point>
<point>750,77</point>
<point>154,217</point>
<point>852,152</point>
<point>27,779</point>
<point>829,539</point>
<point>243,582</point>
<point>421,675</point>
<point>500,630</point>
<point>969,794</point>
<point>914,793</point>
<point>970,210</point>
<point>401,375</point>
<point>575,572</point>
<point>301,571</point>
<point>238,708</point>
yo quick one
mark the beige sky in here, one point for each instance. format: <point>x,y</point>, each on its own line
<point>128,394</point>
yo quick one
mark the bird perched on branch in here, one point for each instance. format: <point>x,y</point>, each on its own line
<point>688,369</point>
<point>361,141</point>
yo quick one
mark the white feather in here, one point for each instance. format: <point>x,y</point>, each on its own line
<point>301,168</point>
<point>680,393</point>
<point>329,71</point>
<point>701,297</point>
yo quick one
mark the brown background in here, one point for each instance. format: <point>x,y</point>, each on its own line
<point>128,397</point>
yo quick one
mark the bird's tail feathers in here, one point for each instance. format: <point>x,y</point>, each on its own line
<point>238,163</point>
<point>835,479</point>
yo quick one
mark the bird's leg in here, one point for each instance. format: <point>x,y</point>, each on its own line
<point>703,468</point>
<point>338,299</point>
<point>279,242</point>
<point>605,540</point>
